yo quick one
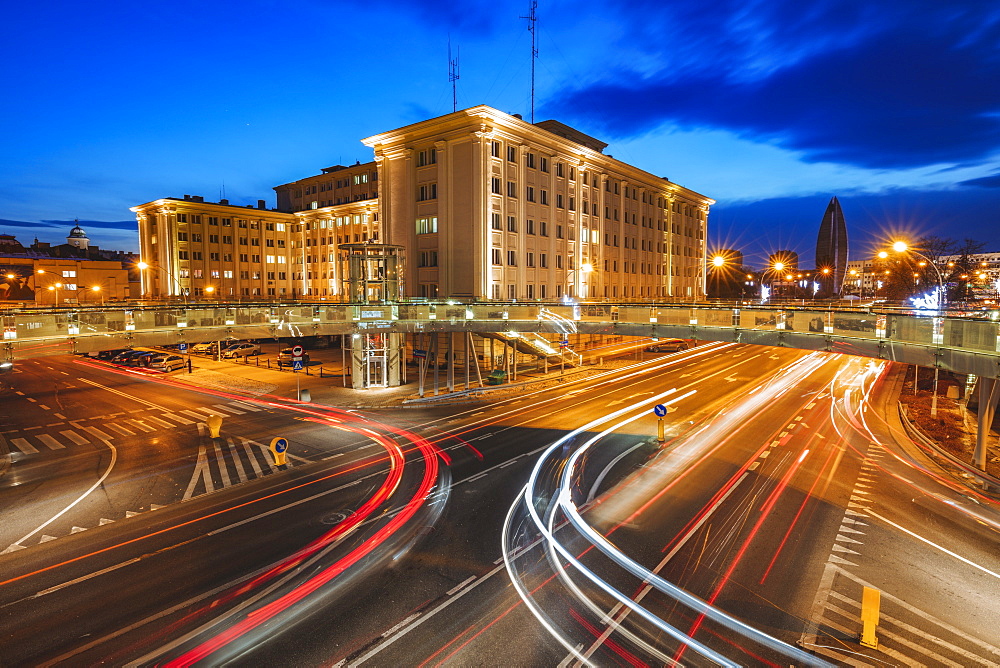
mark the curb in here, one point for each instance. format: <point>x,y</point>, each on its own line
<point>988,482</point>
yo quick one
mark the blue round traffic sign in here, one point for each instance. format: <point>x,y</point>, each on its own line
<point>280,444</point>
<point>660,410</point>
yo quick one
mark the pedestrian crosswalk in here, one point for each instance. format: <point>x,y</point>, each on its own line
<point>119,427</point>
<point>224,462</point>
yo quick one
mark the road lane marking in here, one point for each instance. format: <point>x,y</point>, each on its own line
<point>98,433</point>
<point>195,415</point>
<point>100,481</point>
<point>237,462</point>
<point>75,437</point>
<point>158,422</point>
<point>50,442</point>
<point>78,580</point>
<point>120,429</point>
<point>234,411</point>
<point>600,478</point>
<point>201,470</point>
<point>223,469</point>
<point>60,416</point>
<point>124,394</point>
<point>139,424</point>
<point>936,546</point>
<point>205,409</point>
<point>451,591</point>
<point>249,407</point>
<point>253,459</point>
<point>177,418</point>
<point>33,400</point>
<point>44,406</point>
<point>23,445</point>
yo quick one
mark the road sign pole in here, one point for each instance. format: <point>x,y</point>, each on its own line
<point>659,430</point>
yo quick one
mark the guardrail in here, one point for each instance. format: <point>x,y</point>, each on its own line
<point>949,340</point>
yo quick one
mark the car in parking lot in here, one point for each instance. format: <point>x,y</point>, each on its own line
<point>132,357</point>
<point>166,362</point>
<point>108,355</point>
<point>241,350</point>
<point>668,346</point>
<point>285,357</point>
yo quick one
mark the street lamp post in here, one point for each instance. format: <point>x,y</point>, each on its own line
<point>902,247</point>
<point>54,288</point>
<point>143,266</point>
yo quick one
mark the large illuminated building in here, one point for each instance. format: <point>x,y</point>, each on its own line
<point>484,204</point>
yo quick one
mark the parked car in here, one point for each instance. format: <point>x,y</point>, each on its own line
<point>241,350</point>
<point>6,366</point>
<point>205,348</point>
<point>668,346</point>
<point>166,362</point>
<point>108,355</point>
<point>135,358</point>
<point>285,357</point>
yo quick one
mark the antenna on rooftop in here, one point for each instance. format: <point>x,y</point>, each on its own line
<point>532,19</point>
<point>453,75</point>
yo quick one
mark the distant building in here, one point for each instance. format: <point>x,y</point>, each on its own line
<point>71,273</point>
<point>831,250</point>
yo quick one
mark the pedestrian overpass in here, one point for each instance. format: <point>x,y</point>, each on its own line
<point>965,344</point>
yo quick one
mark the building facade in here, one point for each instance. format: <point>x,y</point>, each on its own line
<point>485,206</point>
<point>831,249</point>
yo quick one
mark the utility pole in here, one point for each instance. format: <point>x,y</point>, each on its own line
<point>453,75</point>
<point>532,19</point>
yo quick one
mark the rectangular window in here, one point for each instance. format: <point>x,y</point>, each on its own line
<point>529,226</point>
<point>227,273</point>
<point>215,273</point>
<point>543,260</point>
<point>182,236</point>
<point>495,149</point>
<point>559,169</point>
<point>428,157</point>
<point>428,225</point>
<point>544,195</point>
<point>227,222</point>
<point>269,243</point>
<point>213,220</point>
<point>512,258</point>
<point>197,273</point>
<point>511,154</point>
<point>511,189</point>
<point>182,218</point>
<point>529,260</point>
<point>529,194</point>
<point>559,232</point>
<point>213,238</point>
<point>511,224</point>
<point>543,228</point>
<point>270,259</point>
<point>427,191</point>
<point>559,261</point>
<point>495,185</point>
<point>559,200</point>
<point>214,257</point>
<point>244,257</point>
<point>529,160</point>
<point>497,224</point>
<point>572,204</point>
<point>69,273</point>
<point>497,257</point>
<point>182,255</point>
<point>544,164</point>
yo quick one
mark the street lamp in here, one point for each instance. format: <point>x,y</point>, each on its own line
<point>55,289</point>
<point>171,281</point>
<point>577,283</point>
<point>902,247</point>
<point>209,289</point>
<point>97,289</point>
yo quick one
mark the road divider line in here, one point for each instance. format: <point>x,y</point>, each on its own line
<point>78,580</point>
<point>936,546</point>
<point>124,394</point>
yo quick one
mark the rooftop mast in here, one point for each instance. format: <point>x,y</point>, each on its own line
<point>532,19</point>
<point>453,75</point>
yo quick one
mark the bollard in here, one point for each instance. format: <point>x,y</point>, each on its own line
<point>305,395</point>
<point>214,424</point>
<point>870,600</point>
<point>659,430</point>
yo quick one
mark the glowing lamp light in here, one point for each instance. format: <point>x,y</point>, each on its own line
<point>899,246</point>
<point>882,255</point>
<point>778,266</point>
<point>142,265</point>
<point>718,260</point>
<point>586,267</point>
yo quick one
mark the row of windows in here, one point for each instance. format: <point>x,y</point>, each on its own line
<point>357,179</point>
<point>228,257</point>
<point>228,222</point>
<point>319,204</point>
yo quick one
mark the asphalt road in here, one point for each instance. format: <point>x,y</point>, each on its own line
<point>191,576</point>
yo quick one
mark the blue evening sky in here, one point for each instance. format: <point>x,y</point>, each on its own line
<point>770,107</point>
